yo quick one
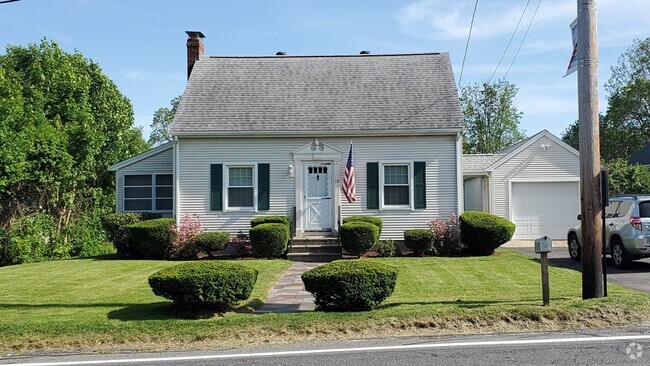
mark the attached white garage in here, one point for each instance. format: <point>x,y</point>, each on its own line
<point>544,208</point>
<point>534,184</point>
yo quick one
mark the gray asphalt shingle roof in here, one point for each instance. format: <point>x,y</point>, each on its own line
<point>642,156</point>
<point>479,162</point>
<point>293,94</point>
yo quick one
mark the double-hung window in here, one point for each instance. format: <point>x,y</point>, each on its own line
<point>396,185</point>
<point>148,192</point>
<point>241,187</point>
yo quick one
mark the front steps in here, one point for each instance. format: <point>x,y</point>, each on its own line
<point>315,248</point>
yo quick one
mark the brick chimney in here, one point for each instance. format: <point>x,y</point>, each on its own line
<point>195,49</point>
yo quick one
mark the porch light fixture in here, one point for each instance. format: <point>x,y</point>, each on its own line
<point>317,145</point>
<point>291,173</point>
<point>544,146</point>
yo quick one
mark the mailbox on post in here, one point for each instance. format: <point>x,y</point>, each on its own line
<point>543,245</point>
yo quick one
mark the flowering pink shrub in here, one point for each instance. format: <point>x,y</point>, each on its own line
<point>447,233</point>
<point>183,245</point>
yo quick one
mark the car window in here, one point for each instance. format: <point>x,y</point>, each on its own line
<point>644,209</point>
<point>623,209</point>
<point>610,210</point>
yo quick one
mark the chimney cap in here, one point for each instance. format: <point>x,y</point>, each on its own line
<point>364,52</point>
<point>280,53</point>
<point>194,34</point>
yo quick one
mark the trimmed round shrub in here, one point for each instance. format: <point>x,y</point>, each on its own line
<point>152,238</point>
<point>358,237</point>
<point>116,226</point>
<point>269,240</point>
<point>212,241</point>
<point>204,285</point>
<point>350,285</point>
<point>270,219</point>
<point>482,232</point>
<point>419,241</point>
<point>365,218</point>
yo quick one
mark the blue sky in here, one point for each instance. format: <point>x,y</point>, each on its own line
<point>140,44</point>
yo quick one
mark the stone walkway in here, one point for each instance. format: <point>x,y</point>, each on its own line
<point>289,293</point>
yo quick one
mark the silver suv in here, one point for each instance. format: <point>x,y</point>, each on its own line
<point>627,220</point>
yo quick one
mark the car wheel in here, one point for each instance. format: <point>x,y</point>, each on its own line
<point>574,248</point>
<point>619,256</point>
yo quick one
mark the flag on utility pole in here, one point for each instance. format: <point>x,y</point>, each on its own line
<point>573,63</point>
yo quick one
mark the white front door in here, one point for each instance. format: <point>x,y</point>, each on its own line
<point>318,196</point>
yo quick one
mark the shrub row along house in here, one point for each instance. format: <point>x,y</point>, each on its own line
<point>272,135</point>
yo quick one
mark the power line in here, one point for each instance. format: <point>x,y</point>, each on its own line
<point>471,25</point>
<point>510,41</point>
<point>523,39</point>
<point>7,1</point>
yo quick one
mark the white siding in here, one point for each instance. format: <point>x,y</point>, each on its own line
<point>439,152</point>
<point>473,190</point>
<point>161,163</point>
<point>533,164</point>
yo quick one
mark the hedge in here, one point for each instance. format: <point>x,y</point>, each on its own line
<point>212,241</point>
<point>270,219</point>
<point>358,237</point>
<point>482,232</point>
<point>269,240</point>
<point>377,221</point>
<point>350,285</point>
<point>420,241</point>
<point>204,285</point>
<point>116,226</point>
<point>152,238</point>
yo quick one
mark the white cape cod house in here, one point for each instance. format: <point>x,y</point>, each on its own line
<point>264,135</point>
<point>270,135</point>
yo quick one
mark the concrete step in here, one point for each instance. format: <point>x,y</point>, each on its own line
<point>315,248</point>
<point>314,257</point>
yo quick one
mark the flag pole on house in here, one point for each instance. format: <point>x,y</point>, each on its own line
<point>349,181</point>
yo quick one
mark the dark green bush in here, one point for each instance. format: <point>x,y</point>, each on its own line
<point>116,226</point>
<point>152,238</point>
<point>212,241</point>
<point>350,285</point>
<point>204,285</point>
<point>358,237</point>
<point>482,232</point>
<point>420,241</point>
<point>388,248</point>
<point>270,219</point>
<point>269,240</point>
<point>365,218</point>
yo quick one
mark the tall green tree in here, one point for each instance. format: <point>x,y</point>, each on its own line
<point>491,117</point>
<point>62,124</point>
<point>625,128</point>
<point>162,120</point>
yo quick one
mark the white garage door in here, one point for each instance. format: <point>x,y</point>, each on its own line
<point>548,208</point>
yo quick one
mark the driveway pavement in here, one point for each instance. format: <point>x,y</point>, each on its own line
<point>636,277</point>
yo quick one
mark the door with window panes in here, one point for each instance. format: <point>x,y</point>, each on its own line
<point>318,196</point>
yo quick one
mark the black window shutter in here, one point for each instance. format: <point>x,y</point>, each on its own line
<point>420,191</point>
<point>372,172</point>
<point>216,187</point>
<point>263,187</point>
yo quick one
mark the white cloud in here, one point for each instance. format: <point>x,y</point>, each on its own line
<point>443,20</point>
<point>138,75</point>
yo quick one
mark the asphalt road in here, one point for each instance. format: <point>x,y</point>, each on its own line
<point>624,346</point>
<point>636,277</point>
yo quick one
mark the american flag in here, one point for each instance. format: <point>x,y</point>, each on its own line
<point>349,186</point>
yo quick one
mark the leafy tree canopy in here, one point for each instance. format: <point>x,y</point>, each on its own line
<point>62,124</point>
<point>162,120</point>
<point>627,179</point>
<point>491,118</point>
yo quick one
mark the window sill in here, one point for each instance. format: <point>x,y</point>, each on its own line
<point>397,208</point>
<point>239,209</point>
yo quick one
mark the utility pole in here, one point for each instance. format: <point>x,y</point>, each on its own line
<point>591,225</point>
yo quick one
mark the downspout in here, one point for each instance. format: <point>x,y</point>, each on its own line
<point>177,190</point>
<point>459,173</point>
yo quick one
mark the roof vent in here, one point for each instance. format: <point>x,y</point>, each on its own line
<point>280,53</point>
<point>364,52</point>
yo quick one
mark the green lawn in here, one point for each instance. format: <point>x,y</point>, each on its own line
<point>93,304</point>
